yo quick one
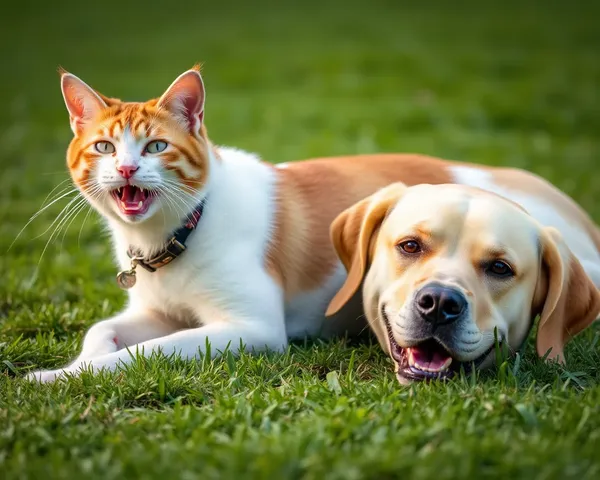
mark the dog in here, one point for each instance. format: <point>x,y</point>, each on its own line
<point>214,244</point>
<point>446,270</point>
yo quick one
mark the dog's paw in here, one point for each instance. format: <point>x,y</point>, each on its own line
<point>45,376</point>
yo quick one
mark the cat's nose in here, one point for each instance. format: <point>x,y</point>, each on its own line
<point>127,171</point>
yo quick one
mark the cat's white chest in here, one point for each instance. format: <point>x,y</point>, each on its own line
<point>187,284</point>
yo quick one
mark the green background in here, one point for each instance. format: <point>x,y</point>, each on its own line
<point>511,84</point>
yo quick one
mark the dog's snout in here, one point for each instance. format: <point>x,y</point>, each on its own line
<point>438,304</point>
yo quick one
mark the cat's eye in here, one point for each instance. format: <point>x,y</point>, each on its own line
<point>104,147</point>
<point>156,146</point>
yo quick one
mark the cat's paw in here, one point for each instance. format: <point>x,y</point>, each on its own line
<point>99,342</point>
<point>45,376</point>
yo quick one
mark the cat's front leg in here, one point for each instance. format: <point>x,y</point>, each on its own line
<point>108,336</point>
<point>253,316</point>
<point>124,330</point>
<point>255,334</point>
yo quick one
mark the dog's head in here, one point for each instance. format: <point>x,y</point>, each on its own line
<point>444,267</point>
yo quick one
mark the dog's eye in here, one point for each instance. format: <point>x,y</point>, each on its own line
<point>499,268</point>
<point>409,246</point>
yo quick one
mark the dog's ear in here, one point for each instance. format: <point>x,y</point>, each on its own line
<point>351,234</point>
<point>566,298</point>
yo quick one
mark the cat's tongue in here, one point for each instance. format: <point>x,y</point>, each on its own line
<point>133,200</point>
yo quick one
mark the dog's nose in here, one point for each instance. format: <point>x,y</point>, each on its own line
<point>438,304</point>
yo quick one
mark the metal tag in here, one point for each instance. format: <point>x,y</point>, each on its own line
<point>126,279</point>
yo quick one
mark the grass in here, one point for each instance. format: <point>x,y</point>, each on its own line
<point>512,85</point>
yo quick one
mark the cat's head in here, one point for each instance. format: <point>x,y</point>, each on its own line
<point>134,160</point>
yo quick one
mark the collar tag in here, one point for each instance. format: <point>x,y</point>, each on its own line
<point>174,247</point>
<point>126,278</point>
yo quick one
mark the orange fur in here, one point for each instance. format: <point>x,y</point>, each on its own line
<point>312,193</point>
<point>144,120</point>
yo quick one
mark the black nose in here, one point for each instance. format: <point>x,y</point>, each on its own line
<point>438,304</point>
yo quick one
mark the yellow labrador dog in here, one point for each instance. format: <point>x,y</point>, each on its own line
<point>444,266</point>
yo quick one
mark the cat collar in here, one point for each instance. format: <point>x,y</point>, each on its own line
<point>174,247</point>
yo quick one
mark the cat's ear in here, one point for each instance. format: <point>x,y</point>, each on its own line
<point>185,99</point>
<point>83,103</point>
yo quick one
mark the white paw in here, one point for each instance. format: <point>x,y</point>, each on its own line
<point>99,342</point>
<point>45,376</point>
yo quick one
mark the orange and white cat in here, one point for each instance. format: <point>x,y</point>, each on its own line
<point>258,267</point>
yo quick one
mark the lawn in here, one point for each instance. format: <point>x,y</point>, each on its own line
<point>512,85</point>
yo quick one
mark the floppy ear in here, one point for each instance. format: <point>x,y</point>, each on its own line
<point>351,233</point>
<point>185,99</point>
<point>569,299</point>
<point>83,103</point>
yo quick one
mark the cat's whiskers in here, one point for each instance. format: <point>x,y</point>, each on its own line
<point>187,193</point>
<point>57,187</point>
<point>48,202</point>
<point>63,214</point>
<point>65,227</point>
<point>162,210</point>
<point>78,205</point>
<point>69,211</point>
<point>178,206</point>
<point>90,210</point>
<point>184,189</point>
<point>58,194</point>
<point>179,185</point>
<point>170,204</point>
<point>39,212</point>
<point>186,200</point>
<point>95,196</point>
<point>94,193</point>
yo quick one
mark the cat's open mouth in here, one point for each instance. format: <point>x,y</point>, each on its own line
<point>133,200</point>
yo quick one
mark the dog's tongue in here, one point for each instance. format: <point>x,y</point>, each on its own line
<point>429,359</point>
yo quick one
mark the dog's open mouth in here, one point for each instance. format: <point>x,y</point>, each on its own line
<point>133,200</point>
<point>429,360</point>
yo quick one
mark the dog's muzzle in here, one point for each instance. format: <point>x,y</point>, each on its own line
<point>439,305</point>
<point>430,354</point>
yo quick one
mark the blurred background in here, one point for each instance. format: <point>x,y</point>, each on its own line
<point>512,84</point>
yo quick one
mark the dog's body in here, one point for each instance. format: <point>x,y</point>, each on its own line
<point>260,267</point>
<point>332,183</point>
<point>446,270</point>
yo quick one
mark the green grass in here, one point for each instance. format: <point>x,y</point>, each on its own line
<point>513,85</point>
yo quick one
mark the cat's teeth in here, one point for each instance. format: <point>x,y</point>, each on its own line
<point>140,204</point>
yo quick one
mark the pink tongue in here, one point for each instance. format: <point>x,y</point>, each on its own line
<point>426,358</point>
<point>132,195</point>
